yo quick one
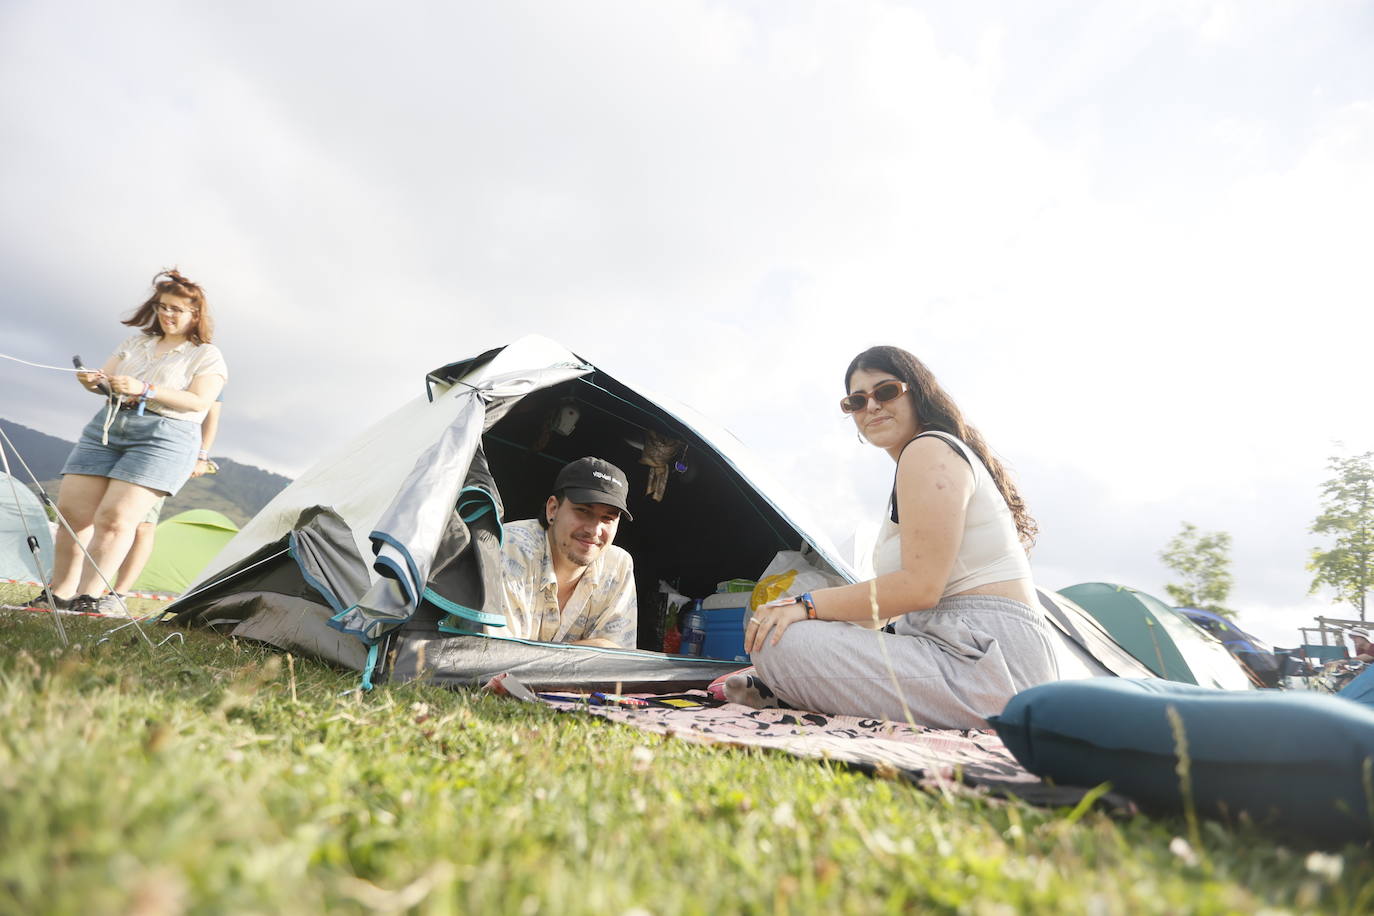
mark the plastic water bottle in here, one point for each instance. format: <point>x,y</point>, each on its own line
<point>693,626</point>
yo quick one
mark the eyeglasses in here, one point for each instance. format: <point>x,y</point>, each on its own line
<point>175,311</point>
<point>887,391</point>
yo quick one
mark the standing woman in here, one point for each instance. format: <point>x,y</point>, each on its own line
<point>952,576</point>
<point>142,445</point>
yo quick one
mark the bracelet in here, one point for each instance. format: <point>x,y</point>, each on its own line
<point>143,397</point>
<point>203,455</point>
<point>809,603</point>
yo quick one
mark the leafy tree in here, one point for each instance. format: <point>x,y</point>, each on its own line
<point>1203,561</point>
<point>1348,517</point>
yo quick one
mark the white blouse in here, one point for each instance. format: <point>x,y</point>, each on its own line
<point>172,371</point>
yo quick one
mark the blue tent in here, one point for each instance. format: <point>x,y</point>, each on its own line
<point>21,517</point>
<point>1255,654</point>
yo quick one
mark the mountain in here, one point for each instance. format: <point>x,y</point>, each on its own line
<point>238,490</point>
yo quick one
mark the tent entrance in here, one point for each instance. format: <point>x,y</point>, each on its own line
<point>706,528</point>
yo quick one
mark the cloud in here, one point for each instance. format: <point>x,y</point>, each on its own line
<point>1129,242</point>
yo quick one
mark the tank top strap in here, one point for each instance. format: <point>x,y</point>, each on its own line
<point>953,441</point>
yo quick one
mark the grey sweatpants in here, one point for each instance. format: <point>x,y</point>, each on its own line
<point>952,666</point>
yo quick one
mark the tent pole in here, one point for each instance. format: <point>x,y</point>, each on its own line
<point>62,520</point>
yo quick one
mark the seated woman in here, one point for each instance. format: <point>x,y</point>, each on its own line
<point>952,576</point>
<point>142,445</point>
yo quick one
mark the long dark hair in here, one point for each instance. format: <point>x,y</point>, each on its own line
<point>171,281</point>
<point>936,410</point>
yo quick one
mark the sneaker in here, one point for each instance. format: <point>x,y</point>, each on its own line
<point>82,604</point>
<point>47,600</point>
<point>110,605</point>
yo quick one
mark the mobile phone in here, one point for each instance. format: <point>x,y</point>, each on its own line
<point>76,361</point>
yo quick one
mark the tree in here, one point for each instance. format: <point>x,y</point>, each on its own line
<point>1348,517</point>
<point>1203,561</point>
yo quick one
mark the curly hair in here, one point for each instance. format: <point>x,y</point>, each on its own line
<point>173,283</point>
<point>936,410</point>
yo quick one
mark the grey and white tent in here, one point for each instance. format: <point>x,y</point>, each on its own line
<point>383,556</point>
<point>387,547</point>
<point>22,517</point>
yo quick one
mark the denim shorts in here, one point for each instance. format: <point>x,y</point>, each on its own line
<point>152,451</point>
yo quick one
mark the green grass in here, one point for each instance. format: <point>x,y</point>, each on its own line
<point>218,777</point>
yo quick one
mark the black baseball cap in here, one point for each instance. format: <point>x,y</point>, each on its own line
<point>594,480</point>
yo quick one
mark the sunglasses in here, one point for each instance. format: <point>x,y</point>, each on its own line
<point>887,391</point>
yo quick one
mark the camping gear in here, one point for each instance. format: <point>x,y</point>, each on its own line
<point>1322,654</point>
<point>184,544</point>
<point>724,614</point>
<point>1159,638</point>
<point>1361,688</point>
<point>383,553</point>
<point>1293,760</point>
<point>1255,656</point>
<point>21,517</point>
<point>693,630</point>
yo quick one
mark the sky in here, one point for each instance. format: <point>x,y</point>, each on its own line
<point>1131,239</point>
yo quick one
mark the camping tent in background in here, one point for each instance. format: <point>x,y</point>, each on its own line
<point>1085,648</point>
<point>22,516</point>
<point>185,544</point>
<point>1255,655</point>
<point>1158,637</point>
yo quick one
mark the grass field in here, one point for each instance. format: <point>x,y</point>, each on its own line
<point>212,776</point>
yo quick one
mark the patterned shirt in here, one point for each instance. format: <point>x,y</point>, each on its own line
<point>173,370</point>
<point>603,606</point>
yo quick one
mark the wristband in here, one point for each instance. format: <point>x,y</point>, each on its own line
<point>143,397</point>
<point>809,603</point>
<point>203,455</point>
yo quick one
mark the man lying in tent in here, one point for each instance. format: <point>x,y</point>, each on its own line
<point>565,581</point>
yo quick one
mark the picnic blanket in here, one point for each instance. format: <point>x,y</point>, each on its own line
<point>936,759</point>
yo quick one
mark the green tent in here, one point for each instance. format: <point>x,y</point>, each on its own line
<point>185,544</point>
<point>1158,636</point>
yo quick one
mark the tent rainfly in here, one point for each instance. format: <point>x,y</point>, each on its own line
<point>184,545</point>
<point>1158,637</point>
<point>21,517</point>
<point>1085,648</point>
<point>384,556</point>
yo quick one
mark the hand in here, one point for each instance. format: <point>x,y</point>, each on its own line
<point>126,385</point>
<point>90,378</point>
<point>772,618</point>
<point>202,467</point>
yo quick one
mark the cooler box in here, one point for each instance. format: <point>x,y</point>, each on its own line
<point>725,615</point>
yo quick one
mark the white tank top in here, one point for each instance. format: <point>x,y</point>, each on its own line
<point>989,551</point>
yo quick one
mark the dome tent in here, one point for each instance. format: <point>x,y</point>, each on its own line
<point>388,548</point>
<point>22,516</point>
<point>1158,637</point>
<point>184,545</point>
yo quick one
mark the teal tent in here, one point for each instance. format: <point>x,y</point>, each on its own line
<point>1158,636</point>
<point>22,517</point>
<point>185,545</point>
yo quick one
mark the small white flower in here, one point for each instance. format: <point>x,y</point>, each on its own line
<point>1325,866</point>
<point>1181,848</point>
